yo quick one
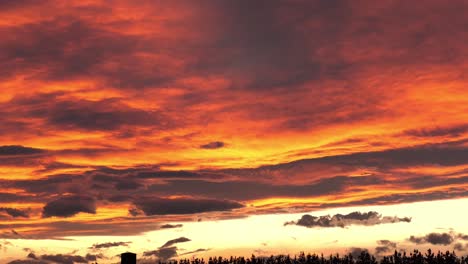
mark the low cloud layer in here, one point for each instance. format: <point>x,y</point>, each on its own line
<point>69,205</point>
<point>64,259</point>
<point>175,241</point>
<point>28,261</point>
<point>13,212</point>
<point>168,226</point>
<point>109,245</point>
<point>385,246</point>
<point>163,253</point>
<point>438,238</point>
<point>16,150</point>
<point>56,258</point>
<point>354,218</point>
<point>460,246</point>
<point>357,251</point>
<point>167,250</point>
<point>163,206</point>
<point>194,251</point>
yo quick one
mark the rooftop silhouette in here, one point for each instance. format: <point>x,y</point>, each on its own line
<point>128,258</point>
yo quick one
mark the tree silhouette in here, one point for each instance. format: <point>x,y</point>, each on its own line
<point>415,257</point>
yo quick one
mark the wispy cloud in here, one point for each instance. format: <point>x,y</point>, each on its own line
<point>109,245</point>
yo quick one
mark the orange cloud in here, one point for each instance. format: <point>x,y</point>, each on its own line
<point>226,107</point>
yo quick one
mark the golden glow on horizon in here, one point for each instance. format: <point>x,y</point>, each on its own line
<point>242,236</point>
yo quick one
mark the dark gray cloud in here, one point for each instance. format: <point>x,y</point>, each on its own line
<point>13,197</point>
<point>56,113</point>
<point>167,226</point>
<point>27,261</point>
<point>10,5</point>
<point>450,193</point>
<point>385,246</point>
<point>430,181</point>
<point>357,251</point>
<point>127,184</point>
<point>168,174</point>
<point>106,115</point>
<point>55,165</point>
<point>101,115</point>
<point>460,246</point>
<point>213,145</point>
<point>163,253</point>
<point>56,230</point>
<point>453,131</point>
<point>16,150</point>
<point>109,245</point>
<point>90,152</point>
<point>57,258</point>
<point>195,251</point>
<point>69,205</point>
<point>135,211</point>
<point>92,257</point>
<point>163,206</point>
<point>248,190</point>
<point>31,255</point>
<point>269,55</point>
<point>431,154</point>
<point>27,43</point>
<point>55,184</point>
<point>13,212</point>
<point>175,241</point>
<point>9,231</point>
<point>166,251</point>
<point>64,259</point>
<point>433,238</point>
<point>354,218</point>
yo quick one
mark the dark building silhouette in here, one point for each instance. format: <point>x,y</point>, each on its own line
<point>128,258</point>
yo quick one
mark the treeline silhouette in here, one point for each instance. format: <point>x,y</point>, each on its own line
<point>415,257</point>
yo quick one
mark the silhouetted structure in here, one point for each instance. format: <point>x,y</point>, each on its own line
<point>128,258</point>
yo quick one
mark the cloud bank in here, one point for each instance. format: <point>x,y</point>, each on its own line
<point>340,220</point>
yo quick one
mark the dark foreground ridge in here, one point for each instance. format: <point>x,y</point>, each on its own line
<point>415,257</point>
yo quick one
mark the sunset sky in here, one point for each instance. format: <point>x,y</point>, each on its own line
<point>217,127</point>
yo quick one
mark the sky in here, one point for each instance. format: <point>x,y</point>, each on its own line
<point>196,128</point>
